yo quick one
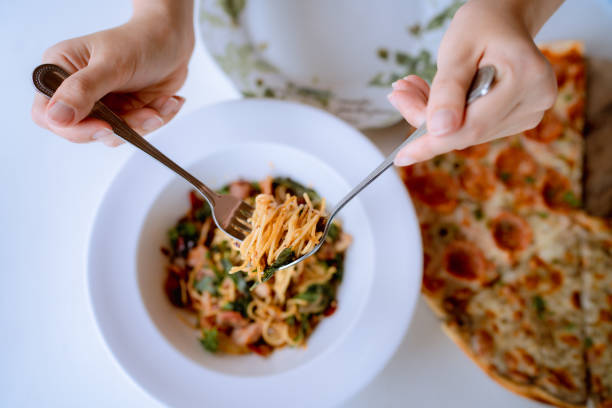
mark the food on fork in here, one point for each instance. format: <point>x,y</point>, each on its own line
<point>234,309</point>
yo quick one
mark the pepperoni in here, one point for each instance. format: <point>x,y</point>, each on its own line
<point>465,261</point>
<point>478,181</point>
<point>476,151</point>
<point>511,232</point>
<point>432,284</point>
<point>557,192</point>
<point>436,189</point>
<point>548,130</point>
<point>515,167</point>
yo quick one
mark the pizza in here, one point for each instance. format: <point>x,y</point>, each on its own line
<point>520,277</point>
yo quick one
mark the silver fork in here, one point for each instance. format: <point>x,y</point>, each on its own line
<point>481,85</point>
<point>229,213</point>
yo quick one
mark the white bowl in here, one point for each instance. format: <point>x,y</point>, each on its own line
<point>253,139</point>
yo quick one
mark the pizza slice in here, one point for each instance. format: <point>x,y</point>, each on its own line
<point>596,261</point>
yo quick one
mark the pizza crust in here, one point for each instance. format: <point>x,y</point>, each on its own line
<point>528,391</point>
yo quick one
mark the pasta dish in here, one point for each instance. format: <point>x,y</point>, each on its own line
<point>235,306</point>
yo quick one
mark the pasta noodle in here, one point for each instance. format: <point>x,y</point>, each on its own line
<point>235,308</point>
<point>289,226</point>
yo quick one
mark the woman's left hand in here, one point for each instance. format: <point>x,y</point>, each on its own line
<point>483,32</point>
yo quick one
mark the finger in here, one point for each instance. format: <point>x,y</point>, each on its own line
<point>423,148</point>
<point>488,116</point>
<point>75,97</point>
<point>39,106</point>
<point>410,99</point>
<point>457,65</point>
<point>167,106</point>
<point>87,130</point>
<point>148,119</point>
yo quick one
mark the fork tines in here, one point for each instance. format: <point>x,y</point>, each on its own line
<point>239,225</point>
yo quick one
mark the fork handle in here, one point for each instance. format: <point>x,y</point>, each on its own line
<point>48,77</point>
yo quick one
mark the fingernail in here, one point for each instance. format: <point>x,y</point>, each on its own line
<point>394,84</point>
<point>152,123</point>
<point>60,113</point>
<point>169,107</point>
<point>403,160</point>
<point>392,100</point>
<point>442,121</point>
<point>400,85</point>
<point>102,133</point>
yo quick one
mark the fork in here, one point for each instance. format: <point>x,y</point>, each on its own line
<point>481,85</point>
<point>229,213</point>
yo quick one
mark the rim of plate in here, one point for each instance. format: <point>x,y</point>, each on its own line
<point>370,332</point>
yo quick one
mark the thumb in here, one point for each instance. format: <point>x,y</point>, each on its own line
<point>445,109</point>
<point>76,96</point>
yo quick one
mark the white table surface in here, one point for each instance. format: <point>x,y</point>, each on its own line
<point>51,352</point>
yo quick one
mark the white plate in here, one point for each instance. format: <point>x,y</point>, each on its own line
<point>339,55</point>
<point>253,138</point>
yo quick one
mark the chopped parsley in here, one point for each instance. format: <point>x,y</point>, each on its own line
<point>478,214</point>
<point>286,256</point>
<point>382,53</point>
<point>206,284</point>
<point>570,198</point>
<point>505,176</point>
<point>588,342</point>
<point>529,179</point>
<point>540,306</point>
<point>210,340</point>
<point>334,232</point>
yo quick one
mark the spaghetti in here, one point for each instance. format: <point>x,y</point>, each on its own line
<point>207,277</point>
<point>280,233</point>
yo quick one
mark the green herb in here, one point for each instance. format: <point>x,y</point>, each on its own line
<point>233,8</point>
<point>259,82</point>
<point>415,30</point>
<point>320,95</point>
<point>439,19</point>
<point>290,320</point>
<point>437,161</point>
<point>298,189</point>
<point>382,53</point>
<point>209,340</point>
<point>286,256</point>
<point>568,97</point>
<point>239,281</point>
<point>227,265</point>
<point>540,306</point>
<point>312,294</point>
<point>401,58</point>
<point>239,305</point>
<point>505,176</point>
<point>249,94</point>
<point>588,342</point>
<point>256,186</point>
<point>269,93</point>
<point>202,213</point>
<point>224,189</point>
<point>570,198</point>
<point>529,179</point>
<point>334,232</point>
<point>173,236</point>
<point>542,214</point>
<point>478,214</point>
<point>206,284</point>
<point>569,326</point>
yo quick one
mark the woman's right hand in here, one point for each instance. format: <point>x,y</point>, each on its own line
<point>135,69</point>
